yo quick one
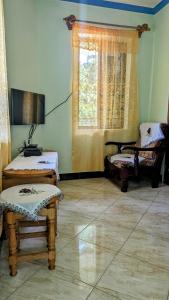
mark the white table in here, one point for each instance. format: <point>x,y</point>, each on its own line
<point>33,169</point>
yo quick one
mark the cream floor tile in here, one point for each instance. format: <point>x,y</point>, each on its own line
<point>67,204</point>
<point>85,207</point>
<point>110,197</point>
<point>91,208</point>
<point>8,284</point>
<point>107,186</point>
<point>74,192</point>
<point>124,212</point>
<point>33,244</point>
<point>40,243</point>
<point>144,193</point>
<point>128,278</point>
<point>46,285</point>
<point>148,248</point>
<point>163,199</point>
<point>70,195</point>
<point>62,242</point>
<point>5,289</point>
<point>99,295</point>
<point>109,235</point>
<point>135,205</point>
<point>86,260</point>
<point>81,188</point>
<point>163,195</point>
<point>36,244</point>
<point>71,188</point>
<point>155,224</point>
<point>4,249</point>
<point>71,223</point>
<point>75,183</point>
<point>105,203</point>
<point>91,185</point>
<point>125,221</point>
<point>159,209</point>
<point>66,275</point>
<point>66,213</point>
<point>24,271</point>
<point>84,182</point>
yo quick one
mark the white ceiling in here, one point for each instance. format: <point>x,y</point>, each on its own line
<point>148,3</point>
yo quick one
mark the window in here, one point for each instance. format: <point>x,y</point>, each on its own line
<point>92,86</point>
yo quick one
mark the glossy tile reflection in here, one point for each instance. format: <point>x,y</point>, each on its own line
<point>86,260</point>
<point>110,246</point>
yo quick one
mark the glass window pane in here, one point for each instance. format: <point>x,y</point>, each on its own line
<point>88,77</point>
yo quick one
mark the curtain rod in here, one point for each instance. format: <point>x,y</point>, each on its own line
<point>70,20</point>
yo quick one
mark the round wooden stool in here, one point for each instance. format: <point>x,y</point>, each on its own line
<point>23,205</point>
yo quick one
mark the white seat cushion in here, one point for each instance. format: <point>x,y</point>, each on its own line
<point>125,158</point>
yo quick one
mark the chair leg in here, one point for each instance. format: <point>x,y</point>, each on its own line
<point>51,224</point>
<point>124,181</point>
<point>155,180</point>
<point>11,222</point>
<point>124,186</point>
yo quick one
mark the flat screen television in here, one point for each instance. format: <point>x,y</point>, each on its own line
<point>27,108</point>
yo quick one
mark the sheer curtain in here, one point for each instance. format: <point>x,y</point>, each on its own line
<point>105,100</point>
<point>5,149</point>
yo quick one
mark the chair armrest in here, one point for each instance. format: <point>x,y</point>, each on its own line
<point>119,143</point>
<point>137,149</point>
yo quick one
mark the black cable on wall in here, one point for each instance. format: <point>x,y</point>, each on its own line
<point>34,126</point>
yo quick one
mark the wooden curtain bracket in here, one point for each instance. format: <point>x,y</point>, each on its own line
<point>70,21</point>
<point>142,28</point>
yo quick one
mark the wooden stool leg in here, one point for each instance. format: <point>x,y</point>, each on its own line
<point>56,229</point>
<point>11,223</point>
<point>17,237</point>
<point>51,223</point>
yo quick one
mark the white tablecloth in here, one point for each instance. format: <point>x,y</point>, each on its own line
<point>48,160</point>
<point>28,203</point>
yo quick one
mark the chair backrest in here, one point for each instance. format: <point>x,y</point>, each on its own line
<point>158,143</point>
<point>150,132</point>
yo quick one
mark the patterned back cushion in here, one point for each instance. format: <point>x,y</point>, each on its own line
<point>149,154</point>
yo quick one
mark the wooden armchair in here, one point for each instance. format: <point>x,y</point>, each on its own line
<point>136,161</point>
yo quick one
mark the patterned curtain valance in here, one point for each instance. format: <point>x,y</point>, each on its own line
<point>106,40</point>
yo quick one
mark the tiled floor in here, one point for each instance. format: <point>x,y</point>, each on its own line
<point>111,245</point>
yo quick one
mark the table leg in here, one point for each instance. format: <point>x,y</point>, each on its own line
<point>11,223</point>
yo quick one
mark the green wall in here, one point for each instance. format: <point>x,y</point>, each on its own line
<point>160,86</point>
<point>39,59</point>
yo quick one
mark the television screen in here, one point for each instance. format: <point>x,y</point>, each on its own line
<point>27,108</point>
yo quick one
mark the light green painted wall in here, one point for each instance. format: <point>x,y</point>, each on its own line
<point>39,59</point>
<point>160,87</point>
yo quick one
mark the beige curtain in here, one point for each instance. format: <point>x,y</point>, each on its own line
<point>116,98</point>
<point>5,149</point>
